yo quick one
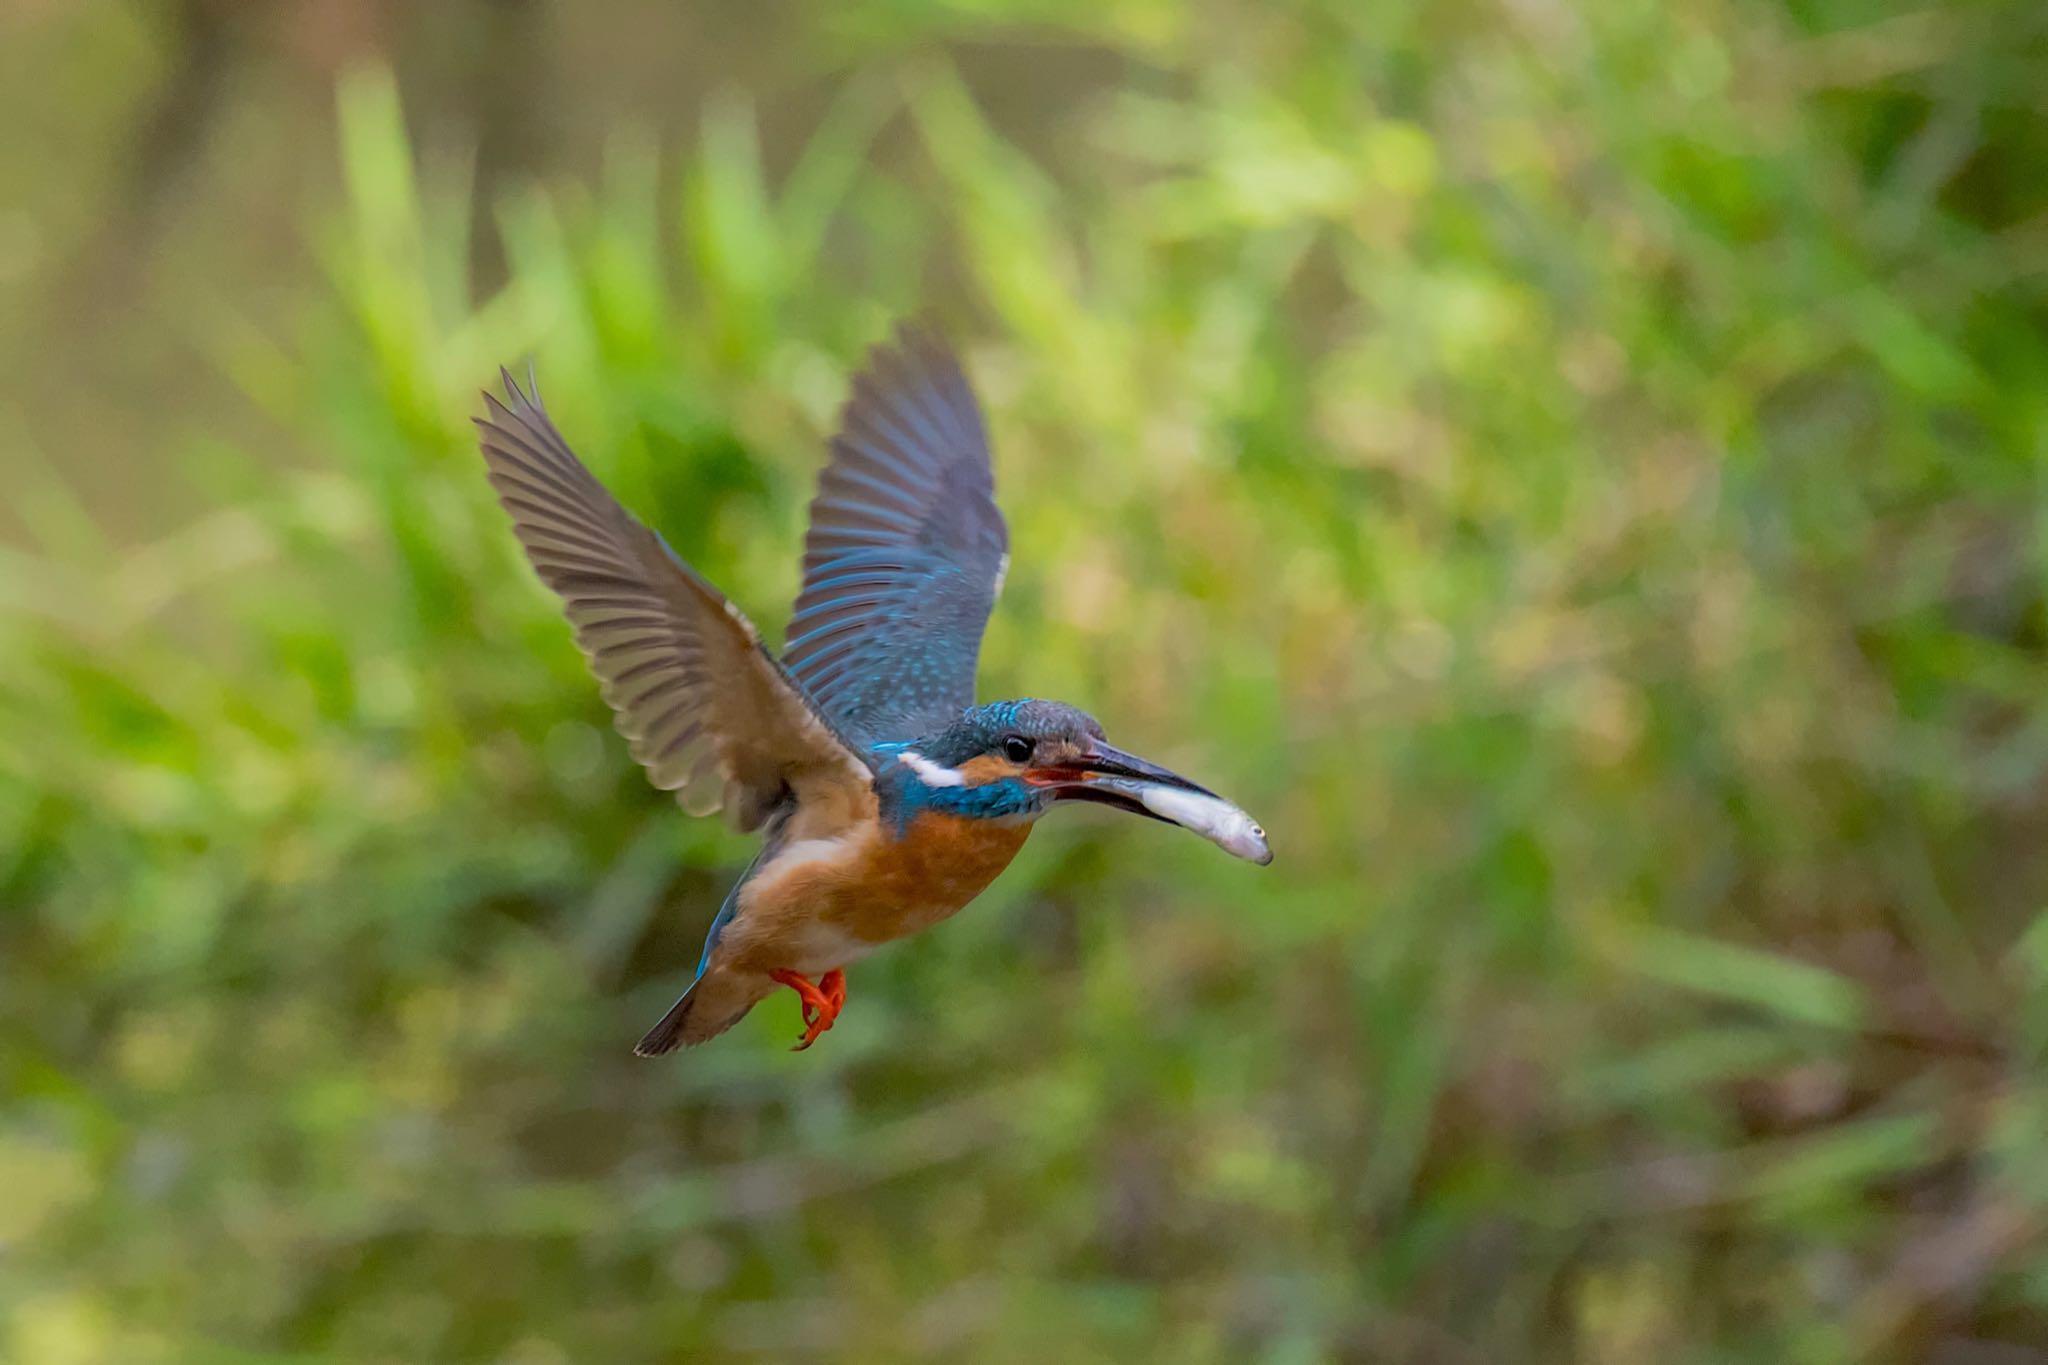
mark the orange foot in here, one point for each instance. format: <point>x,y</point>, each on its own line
<point>821,1001</point>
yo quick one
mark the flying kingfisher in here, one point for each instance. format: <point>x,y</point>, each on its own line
<point>887,798</point>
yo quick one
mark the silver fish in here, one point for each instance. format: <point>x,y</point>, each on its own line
<point>1215,819</point>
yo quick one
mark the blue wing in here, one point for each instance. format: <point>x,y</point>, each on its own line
<point>905,552</point>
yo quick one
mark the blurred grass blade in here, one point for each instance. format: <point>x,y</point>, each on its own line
<point>1776,985</point>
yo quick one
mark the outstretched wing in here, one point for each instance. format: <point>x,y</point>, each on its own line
<point>704,708</point>
<point>905,552</point>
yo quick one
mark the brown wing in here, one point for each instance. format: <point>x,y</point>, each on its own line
<point>704,708</point>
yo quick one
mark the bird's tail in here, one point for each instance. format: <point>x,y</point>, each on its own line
<point>714,1003</point>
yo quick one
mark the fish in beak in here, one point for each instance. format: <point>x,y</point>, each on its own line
<point>1108,776</point>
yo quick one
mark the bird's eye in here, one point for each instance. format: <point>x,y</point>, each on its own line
<point>1017,749</point>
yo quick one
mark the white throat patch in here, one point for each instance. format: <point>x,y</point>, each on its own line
<point>930,773</point>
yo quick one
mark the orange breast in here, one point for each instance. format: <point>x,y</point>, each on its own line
<point>828,903</point>
<point>907,884</point>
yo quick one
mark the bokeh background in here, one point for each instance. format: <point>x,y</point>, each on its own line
<point>1575,471</point>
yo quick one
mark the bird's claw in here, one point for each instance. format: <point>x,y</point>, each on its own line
<point>821,1001</point>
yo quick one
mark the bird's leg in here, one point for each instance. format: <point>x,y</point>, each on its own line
<point>822,1001</point>
<point>814,1000</point>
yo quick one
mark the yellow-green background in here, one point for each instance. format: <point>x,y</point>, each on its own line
<point>1574,471</point>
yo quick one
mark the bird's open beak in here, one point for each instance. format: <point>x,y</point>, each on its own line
<point>1109,776</point>
<point>1081,779</point>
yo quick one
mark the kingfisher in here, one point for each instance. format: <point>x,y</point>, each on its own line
<point>886,797</point>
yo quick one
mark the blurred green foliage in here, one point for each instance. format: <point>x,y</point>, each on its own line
<point>1573,472</point>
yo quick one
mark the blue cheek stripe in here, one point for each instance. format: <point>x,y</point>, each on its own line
<point>979,729</point>
<point>989,801</point>
<point>904,798</point>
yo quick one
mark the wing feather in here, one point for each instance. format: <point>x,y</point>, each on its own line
<point>704,708</point>
<point>905,550</point>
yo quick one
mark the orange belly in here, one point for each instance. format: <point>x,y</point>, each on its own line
<point>826,910</point>
<point>941,863</point>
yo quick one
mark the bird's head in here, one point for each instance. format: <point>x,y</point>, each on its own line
<point>1019,758</point>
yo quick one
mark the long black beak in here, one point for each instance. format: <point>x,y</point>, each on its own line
<point>1112,777</point>
<point>1082,779</point>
